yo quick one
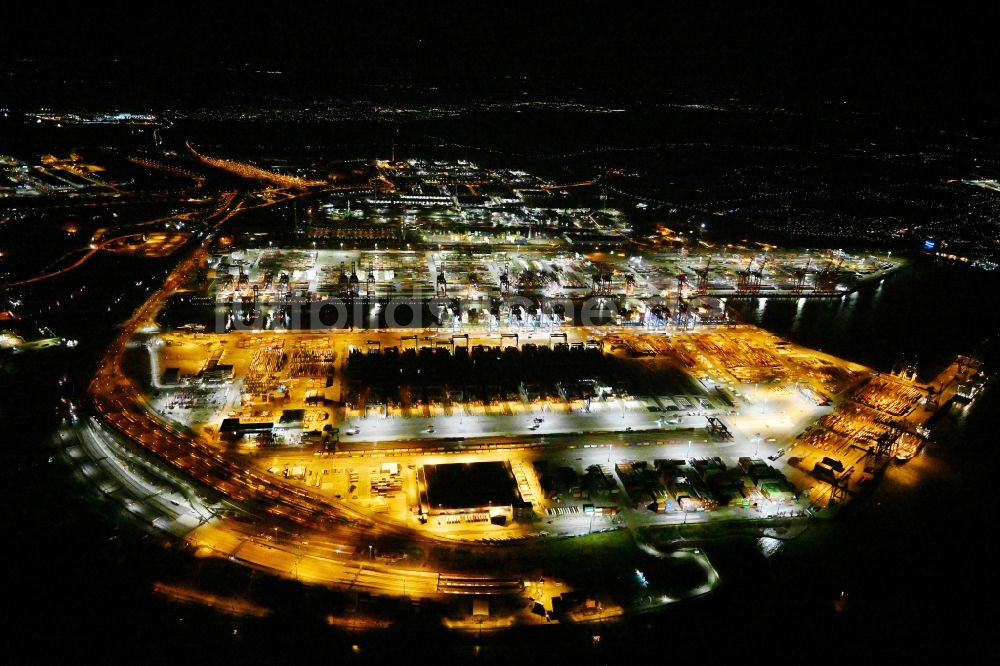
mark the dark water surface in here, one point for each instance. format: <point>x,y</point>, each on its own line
<point>928,311</point>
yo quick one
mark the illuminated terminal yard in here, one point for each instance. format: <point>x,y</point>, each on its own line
<point>513,337</point>
<point>432,414</point>
<point>421,378</point>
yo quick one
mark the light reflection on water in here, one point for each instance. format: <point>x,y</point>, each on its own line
<point>932,313</point>
<point>768,546</point>
<point>913,312</point>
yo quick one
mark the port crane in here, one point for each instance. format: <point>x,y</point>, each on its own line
<point>825,279</point>
<point>703,277</point>
<point>799,276</point>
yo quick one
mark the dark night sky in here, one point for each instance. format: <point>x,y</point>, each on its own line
<point>885,57</point>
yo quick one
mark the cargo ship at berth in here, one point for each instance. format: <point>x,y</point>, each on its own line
<point>907,446</point>
<point>969,380</point>
<point>970,389</point>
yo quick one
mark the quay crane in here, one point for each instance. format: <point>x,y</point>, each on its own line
<point>681,309</point>
<point>703,277</point>
<point>825,279</point>
<point>743,278</point>
<point>757,276</point>
<point>629,284</point>
<point>343,283</point>
<point>505,283</point>
<point>370,282</point>
<point>355,283</point>
<point>602,284</point>
<point>800,277</point>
